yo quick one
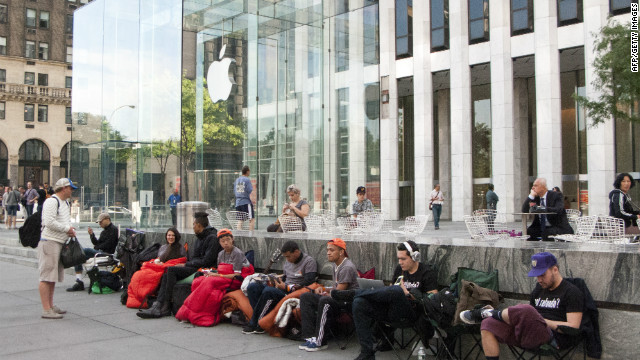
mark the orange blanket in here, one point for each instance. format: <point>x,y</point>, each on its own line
<point>268,321</point>
<point>146,280</point>
<point>237,300</point>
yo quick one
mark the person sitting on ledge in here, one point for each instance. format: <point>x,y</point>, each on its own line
<point>206,249</point>
<point>542,200</point>
<point>300,270</point>
<point>553,302</point>
<point>317,309</point>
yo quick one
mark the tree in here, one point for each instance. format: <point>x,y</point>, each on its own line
<point>481,145</point>
<point>619,88</point>
<point>161,151</point>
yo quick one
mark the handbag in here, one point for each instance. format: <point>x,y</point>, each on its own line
<point>72,253</point>
<point>430,205</point>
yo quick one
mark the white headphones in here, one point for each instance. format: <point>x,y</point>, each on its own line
<point>415,255</point>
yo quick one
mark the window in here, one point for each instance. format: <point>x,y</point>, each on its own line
<point>342,42</point>
<point>3,75</point>
<point>371,35</point>
<point>67,115</point>
<point>3,45</point>
<point>619,6</point>
<point>569,12</point>
<point>43,113</point>
<point>43,79</point>
<point>521,16</point>
<point>69,54</point>
<point>28,112</point>
<point>43,51</point>
<point>29,78</point>
<point>2,106</point>
<point>439,25</point>
<point>69,25</point>
<point>67,82</point>
<point>404,28</point>
<point>478,21</point>
<point>44,19</point>
<point>31,18</point>
<point>3,14</point>
<point>30,49</point>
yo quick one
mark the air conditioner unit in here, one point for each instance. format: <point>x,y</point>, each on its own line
<point>31,31</point>
<point>73,7</point>
<point>31,62</point>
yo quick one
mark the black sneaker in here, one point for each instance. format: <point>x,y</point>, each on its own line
<point>249,329</point>
<point>476,315</point>
<point>343,295</point>
<point>78,286</point>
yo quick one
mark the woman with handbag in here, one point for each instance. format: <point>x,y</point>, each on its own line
<point>56,219</point>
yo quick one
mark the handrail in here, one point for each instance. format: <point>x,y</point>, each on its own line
<point>47,91</point>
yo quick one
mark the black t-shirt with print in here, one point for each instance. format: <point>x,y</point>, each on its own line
<point>554,305</point>
<point>425,278</point>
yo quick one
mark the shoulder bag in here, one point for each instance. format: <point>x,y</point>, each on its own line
<point>72,253</point>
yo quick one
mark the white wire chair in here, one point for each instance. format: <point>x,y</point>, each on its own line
<point>609,229</point>
<point>572,216</point>
<point>370,221</point>
<point>585,226</point>
<point>214,217</point>
<point>290,223</point>
<point>236,219</point>
<point>315,224</point>
<point>474,226</point>
<point>328,216</point>
<point>491,226</point>
<point>347,225</point>
<point>413,225</point>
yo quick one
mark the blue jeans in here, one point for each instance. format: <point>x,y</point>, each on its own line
<point>88,254</point>
<point>437,210</point>
<point>385,304</point>
<point>262,299</point>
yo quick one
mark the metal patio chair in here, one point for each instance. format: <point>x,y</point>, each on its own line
<point>290,223</point>
<point>215,219</point>
<point>236,219</point>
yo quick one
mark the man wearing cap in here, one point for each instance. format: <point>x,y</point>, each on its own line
<point>553,302</point>
<point>56,219</point>
<point>362,203</point>
<point>106,244</point>
<point>318,310</point>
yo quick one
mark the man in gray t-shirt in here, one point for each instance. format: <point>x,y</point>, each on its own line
<point>319,310</point>
<point>300,270</point>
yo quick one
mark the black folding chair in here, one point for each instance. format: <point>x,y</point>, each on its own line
<point>550,350</point>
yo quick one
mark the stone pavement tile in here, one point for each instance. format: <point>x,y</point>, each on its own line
<point>127,320</point>
<point>29,314</point>
<point>10,301</point>
<point>129,347</point>
<point>48,334</point>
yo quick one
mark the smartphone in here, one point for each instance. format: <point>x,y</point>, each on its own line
<point>399,280</point>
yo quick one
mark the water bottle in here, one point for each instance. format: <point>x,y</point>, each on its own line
<point>422,355</point>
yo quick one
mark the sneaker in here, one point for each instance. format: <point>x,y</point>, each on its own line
<point>252,330</point>
<point>476,315</point>
<point>50,314</point>
<point>315,347</point>
<point>307,343</point>
<point>58,310</point>
<point>78,286</point>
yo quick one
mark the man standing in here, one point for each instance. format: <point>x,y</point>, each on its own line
<point>31,196</point>
<point>300,270</point>
<point>436,205</point>
<point>106,244</point>
<point>544,201</point>
<point>205,255</point>
<point>492,204</point>
<point>553,302</point>
<point>56,214</point>
<point>392,303</point>
<point>173,201</point>
<point>10,201</point>
<point>242,188</point>
<point>318,310</point>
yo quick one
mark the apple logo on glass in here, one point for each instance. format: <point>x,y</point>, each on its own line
<point>219,80</point>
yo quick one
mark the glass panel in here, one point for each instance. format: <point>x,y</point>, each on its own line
<point>43,113</point>
<point>43,51</point>
<point>404,28</point>
<point>569,11</point>
<point>371,35</point>
<point>30,49</point>
<point>30,18</point>
<point>44,19</point>
<point>481,131</point>
<point>28,112</point>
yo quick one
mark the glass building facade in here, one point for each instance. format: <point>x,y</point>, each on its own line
<point>180,95</point>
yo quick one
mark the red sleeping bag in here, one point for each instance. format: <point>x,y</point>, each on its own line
<point>202,307</point>
<point>146,280</point>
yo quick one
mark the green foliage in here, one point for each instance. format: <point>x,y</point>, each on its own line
<point>481,150</point>
<point>116,147</point>
<point>619,87</point>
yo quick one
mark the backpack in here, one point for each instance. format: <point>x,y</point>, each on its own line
<point>103,282</point>
<point>132,242</point>
<point>31,230</point>
<point>440,307</point>
<point>147,254</point>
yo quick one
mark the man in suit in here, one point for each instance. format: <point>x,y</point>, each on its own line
<point>544,201</point>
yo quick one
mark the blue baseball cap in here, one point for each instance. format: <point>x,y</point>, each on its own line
<point>540,262</point>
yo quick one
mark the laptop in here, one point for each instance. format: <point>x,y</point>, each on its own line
<point>369,283</point>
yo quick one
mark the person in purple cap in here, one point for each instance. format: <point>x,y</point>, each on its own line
<point>553,302</point>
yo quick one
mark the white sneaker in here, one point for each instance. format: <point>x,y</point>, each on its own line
<point>51,314</point>
<point>58,310</point>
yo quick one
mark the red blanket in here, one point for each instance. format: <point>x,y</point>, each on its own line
<point>146,280</point>
<point>202,307</point>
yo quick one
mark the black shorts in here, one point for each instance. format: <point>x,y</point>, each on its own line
<point>248,208</point>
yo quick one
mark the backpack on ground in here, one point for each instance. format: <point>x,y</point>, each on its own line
<point>440,307</point>
<point>31,230</point>
<point>103,282</point>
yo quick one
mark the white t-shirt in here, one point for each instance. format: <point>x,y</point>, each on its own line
<point>56,220</point>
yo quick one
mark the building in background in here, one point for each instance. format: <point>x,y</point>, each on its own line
<point>395,95</point>
<point>36,55</point>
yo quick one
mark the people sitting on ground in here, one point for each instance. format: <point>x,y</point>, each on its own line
<point>318,309</point>
<point>362,203</point>
<point>552,219</point>
<point>202,306</point>
<point>205,249</point>
<point>297,206</point>
<point>299,270</point>
<point>105,244</point>
<point>395,304</point>
<point>553,302</point>
<point>621,206</point>
<point>145,281</point>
